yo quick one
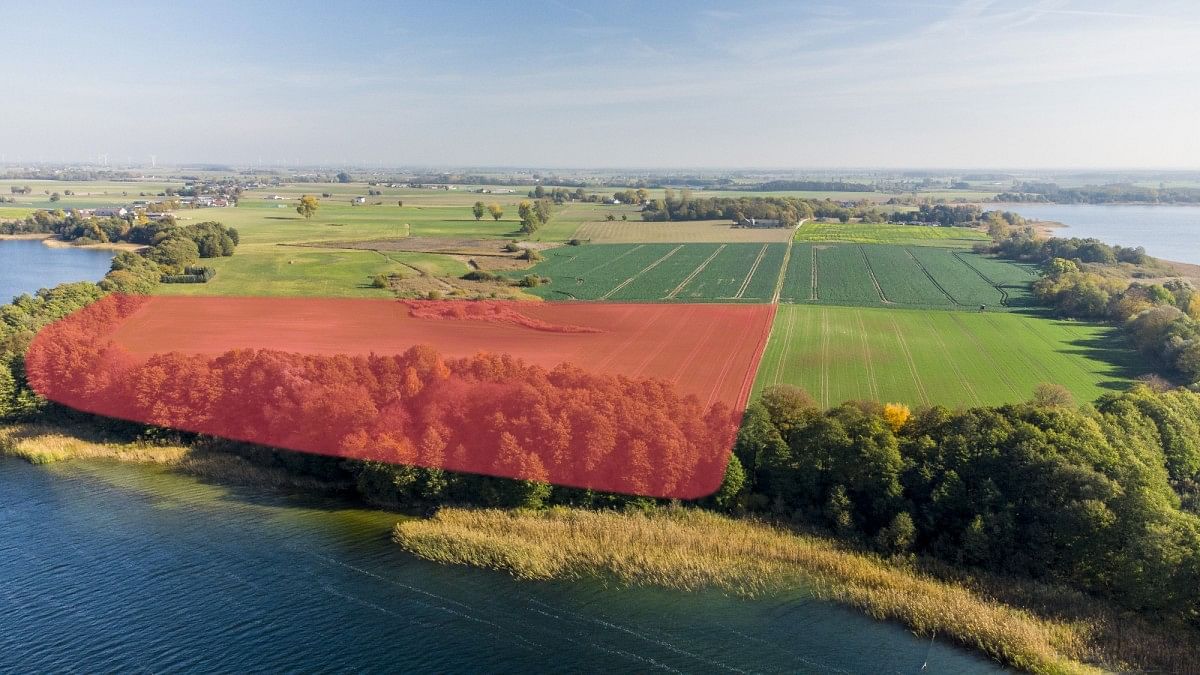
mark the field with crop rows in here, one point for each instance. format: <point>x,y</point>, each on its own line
<point>672,272</point>
<point>845,274</point>
<point>924,357</point>
<point>903,276</point>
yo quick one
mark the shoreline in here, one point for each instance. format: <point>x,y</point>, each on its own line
<point>106,246</point>
<point>46,443</point>
<point>54,242</point>
<point>675,548</point>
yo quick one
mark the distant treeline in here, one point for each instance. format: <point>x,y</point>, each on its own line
<point>685,206</point>
<point>71,175</point>
<point>809,186</point>
<point>1102,194</point>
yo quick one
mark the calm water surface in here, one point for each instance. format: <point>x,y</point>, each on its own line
<point>107,567</point>
<point>1170,232</point>
<point>27,265</point>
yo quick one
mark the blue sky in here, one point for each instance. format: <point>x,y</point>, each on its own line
<point>607,84</point>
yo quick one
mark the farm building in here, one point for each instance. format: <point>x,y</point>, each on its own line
<point>760,222</point>
<point>359,200</point>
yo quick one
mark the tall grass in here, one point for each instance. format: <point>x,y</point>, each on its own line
<point>43,443</point>
<point>689,549</point>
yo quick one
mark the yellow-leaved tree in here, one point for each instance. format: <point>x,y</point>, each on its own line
<point>308,206</point>
<point>896,415</point>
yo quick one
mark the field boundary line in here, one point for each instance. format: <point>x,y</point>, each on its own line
<point>912,364</point>
<point>753,268</point>
<point>875,281</point>
<point>812,289</point>
<point>925,270</point>
<point>645,269</point>
<point>695,273</point>
<point>872,383</point>
<point>1003,293</point>
<point>787,258</point>
<point>785,348</point>
<point>760,355</point>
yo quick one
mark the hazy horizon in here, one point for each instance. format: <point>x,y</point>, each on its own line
<point>1036,86</point>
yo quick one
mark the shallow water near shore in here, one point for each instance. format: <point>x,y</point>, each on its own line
<point>1171,232</point>
<point>115,567</point>
<point>27,265</point>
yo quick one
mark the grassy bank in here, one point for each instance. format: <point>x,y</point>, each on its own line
<point>689,549</point>
<point>47,443</point>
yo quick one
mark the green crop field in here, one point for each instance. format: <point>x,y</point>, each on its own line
<point>903,276</point>
<point>845,274</point>
<point>924,357</point>
<point>651,272</point>
<point>889,233</point>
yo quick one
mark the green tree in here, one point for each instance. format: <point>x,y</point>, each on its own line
<point>478,210</point>
<point>175,253</point>
<point>308,206</point>
<point>732,487</point>
<point>343,177</point>
<point>531,220</point>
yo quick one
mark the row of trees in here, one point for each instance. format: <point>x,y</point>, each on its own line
<point>1098,194</point>
<point>1093,497</point>
<point>686,207</point>
<point>793,209</point>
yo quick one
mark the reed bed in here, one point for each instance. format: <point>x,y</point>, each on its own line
<point>41,443</point>
<point>689,549</point>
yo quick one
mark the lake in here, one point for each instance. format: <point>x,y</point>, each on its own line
<point>1170,232</point>
<point>111,567</point>
<point>27,265</point>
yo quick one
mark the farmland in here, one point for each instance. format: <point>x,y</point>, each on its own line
<point>931,357</point>
<point>902,276</point>
<point>842,274</point>
<point>889,233</point>
<point>682,272</point>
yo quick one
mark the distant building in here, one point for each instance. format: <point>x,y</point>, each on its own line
<point>110,212</point>
<point>761,222</point>
<point>359,200</point>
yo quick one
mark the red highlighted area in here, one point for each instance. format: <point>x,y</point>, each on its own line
<point>640,399</point>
